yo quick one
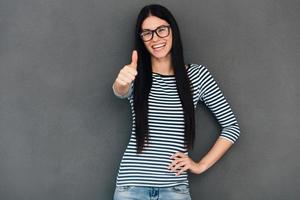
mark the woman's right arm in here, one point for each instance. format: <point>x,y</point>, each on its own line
<point>122,86</point>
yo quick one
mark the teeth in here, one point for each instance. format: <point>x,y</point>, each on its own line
<point>157,46</point>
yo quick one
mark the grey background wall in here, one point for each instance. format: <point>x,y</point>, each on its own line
<point>63,132</point>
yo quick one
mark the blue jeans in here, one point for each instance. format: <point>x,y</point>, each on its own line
<point>179,192</point>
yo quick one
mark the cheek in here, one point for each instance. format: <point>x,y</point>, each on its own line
<point>169,44</point>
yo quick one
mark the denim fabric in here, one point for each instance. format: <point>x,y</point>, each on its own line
<point>179,192</point>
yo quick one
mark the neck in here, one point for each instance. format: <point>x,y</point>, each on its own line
<point>162,65</point>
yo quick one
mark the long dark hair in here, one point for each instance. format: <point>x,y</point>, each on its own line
<point>143,81</point>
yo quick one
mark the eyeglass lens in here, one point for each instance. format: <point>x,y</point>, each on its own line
<point>162,31</point>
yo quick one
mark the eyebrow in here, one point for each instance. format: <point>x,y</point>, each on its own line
<point>155,28</point>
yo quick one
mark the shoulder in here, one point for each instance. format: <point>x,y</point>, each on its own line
<point>196,66</point>
<point>195,69</point>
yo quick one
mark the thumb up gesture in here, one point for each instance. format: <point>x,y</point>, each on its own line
<point>128,72</point>
<point>127,75</point>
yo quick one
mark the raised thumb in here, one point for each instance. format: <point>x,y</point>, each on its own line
<point>134,59</point>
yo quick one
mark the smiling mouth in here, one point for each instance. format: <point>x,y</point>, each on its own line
<point>158,46</point>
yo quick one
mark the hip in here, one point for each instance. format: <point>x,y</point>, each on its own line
<point>128,192</point>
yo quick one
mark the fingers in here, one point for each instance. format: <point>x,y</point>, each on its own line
<point>125,78</point>
<point>130,70</point>
<point>179,165</point>
<point>180,161</point>
<point>178,154</point>
<point>175,162</point>
<point>128,73</point>
<point>121,82</point>
<point>182,170</point>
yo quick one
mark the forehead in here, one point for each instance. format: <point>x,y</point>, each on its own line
<point>153,22</point>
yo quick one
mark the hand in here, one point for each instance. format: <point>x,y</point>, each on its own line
<point>128,73</point>
<point>184,162</point>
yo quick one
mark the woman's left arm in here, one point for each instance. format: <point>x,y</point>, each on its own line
<point>212,96</point>
<point>214,99</point>
<point>210,93</point>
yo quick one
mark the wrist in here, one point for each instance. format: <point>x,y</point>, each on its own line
<point>202,166</point>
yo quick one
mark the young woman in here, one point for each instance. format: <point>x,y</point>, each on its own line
<point>163,92</point>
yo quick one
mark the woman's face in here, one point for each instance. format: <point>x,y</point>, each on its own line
<point>151,23</point>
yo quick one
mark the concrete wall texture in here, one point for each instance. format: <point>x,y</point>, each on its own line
<point>63,132</point>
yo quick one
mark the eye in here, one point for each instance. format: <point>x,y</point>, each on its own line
<point>162,29</point>
<point>145,33</point>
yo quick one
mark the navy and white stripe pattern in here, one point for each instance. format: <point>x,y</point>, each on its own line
<point>166,128</point>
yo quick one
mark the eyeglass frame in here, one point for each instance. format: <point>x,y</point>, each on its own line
<point>155,30</point>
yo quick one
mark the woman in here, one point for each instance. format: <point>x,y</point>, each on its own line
<point>163,92</point>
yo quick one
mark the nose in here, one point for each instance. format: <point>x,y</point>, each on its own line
<point>155,36</point>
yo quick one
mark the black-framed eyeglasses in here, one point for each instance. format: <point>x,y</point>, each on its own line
<point>161,31</point>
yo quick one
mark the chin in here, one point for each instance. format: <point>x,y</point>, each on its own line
<point>160,55</point>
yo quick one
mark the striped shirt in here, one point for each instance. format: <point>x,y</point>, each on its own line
<point>166,128</point>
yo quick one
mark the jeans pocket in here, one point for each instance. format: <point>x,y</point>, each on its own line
<point>181,189</point>
<point>124,188</point>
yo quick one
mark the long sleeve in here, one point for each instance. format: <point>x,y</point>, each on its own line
<point>213,98</point>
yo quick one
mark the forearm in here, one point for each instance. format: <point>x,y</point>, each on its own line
<point>216,152</point>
